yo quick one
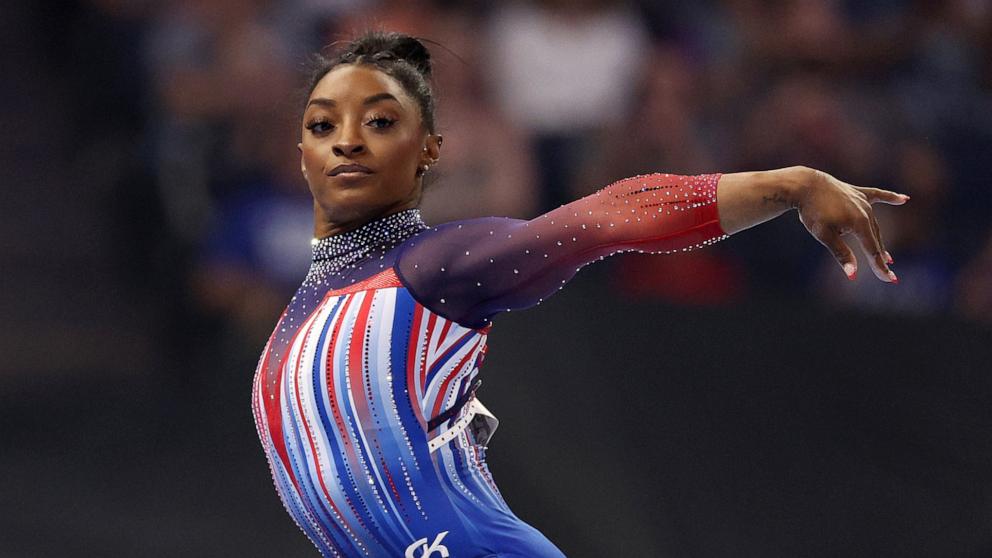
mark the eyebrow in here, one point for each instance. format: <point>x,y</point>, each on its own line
<point>368,100</point>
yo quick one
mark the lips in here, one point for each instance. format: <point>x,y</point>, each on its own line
<point>349,168</point>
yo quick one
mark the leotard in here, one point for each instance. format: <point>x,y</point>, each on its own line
<point>388,330</point>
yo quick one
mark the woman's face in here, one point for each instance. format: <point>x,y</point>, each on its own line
<point>359,116</point>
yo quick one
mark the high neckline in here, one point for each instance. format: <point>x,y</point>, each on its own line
<point>383,233</point>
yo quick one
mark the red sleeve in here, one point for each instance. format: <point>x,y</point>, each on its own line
<point>470,270</point>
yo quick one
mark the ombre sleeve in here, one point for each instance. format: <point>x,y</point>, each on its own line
<point>470,270</point>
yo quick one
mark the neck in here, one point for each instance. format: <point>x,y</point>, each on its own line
<point>351,256</point>
<point>325,225</point>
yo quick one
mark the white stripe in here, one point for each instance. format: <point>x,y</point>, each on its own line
<point>448,370</point>
<point>381,319</point>
<point>454,332</point>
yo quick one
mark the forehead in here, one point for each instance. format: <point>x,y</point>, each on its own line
<point>350,83</point>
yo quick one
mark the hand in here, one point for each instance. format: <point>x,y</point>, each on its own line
<point>830,209</point>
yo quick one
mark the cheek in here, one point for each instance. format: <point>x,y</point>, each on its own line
<point>404,151</point>
<point>313,160</point>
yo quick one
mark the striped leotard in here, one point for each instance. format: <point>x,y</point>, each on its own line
<point>388,330</point>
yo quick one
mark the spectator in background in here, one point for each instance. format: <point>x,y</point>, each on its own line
<point>736,84</point>
<point>413,17</point>
<point>665,119</point>
<point>667,123</point>
<point>257,242</point>
<point>220,69</point>
<point>562,70</point>
<point>484,172</point>
<point>808,117</point>
<point>946,100</point>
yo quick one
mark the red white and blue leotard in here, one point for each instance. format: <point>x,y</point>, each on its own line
<point>389,329</point>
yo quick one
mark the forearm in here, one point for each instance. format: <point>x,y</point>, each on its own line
<point>746,199</point>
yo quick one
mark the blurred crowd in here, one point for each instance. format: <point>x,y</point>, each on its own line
<point>194,107</point>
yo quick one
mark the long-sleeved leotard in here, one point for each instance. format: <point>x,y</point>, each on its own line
<point>388,330</point>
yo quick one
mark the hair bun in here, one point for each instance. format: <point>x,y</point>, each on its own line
<point>383,45</point>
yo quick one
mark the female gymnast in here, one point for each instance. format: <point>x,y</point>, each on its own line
<point>364,396</point>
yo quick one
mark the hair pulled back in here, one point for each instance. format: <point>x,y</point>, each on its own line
<point>400,56</point>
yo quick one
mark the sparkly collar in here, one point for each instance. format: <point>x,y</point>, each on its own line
<point>339,250</point>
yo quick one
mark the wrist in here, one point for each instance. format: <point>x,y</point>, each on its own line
<point>795,184</point>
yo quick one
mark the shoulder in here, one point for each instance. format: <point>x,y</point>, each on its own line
<point>463,230</point>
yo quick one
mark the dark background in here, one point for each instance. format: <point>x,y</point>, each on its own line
<point>743,400</point>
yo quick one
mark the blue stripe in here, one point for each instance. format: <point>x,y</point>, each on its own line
<point>331,525</point>
<point>359,489</point>
<point>447,354</point>
<point>339,485</point>
<point>461,464</point>
<point>298,461</point>
<point>420,465</point>
<point>292,501</point>
<point>396,532</point>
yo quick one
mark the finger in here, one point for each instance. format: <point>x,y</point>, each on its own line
<point>876,195</point>
<point>841,252</point>
<point>878,236</point>
<point>874,252</point>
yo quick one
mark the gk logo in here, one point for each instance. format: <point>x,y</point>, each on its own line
<point>428,551</point>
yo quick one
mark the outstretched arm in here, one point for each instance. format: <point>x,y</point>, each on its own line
<point>829,209</point>
<point>470,270</point>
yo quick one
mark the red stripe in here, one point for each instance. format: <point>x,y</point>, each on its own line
<point>272,402</point>
<point>412,359</point>
<point>306,427</point>
<point>382,280</point>
<point>452,348</point>
<point>444,332</point>
<point>349,449</point>
<point>329,368</point>
<point>447,381</point>
<point>431,324</point>
<point>392,485</point>
<point>261,408</point>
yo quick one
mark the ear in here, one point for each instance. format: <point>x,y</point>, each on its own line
<point>432,149</point>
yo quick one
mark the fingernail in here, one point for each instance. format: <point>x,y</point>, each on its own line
<point>893,277</point>
<point>905,196</point>
<point>850,270</point>
<point>888,258</point>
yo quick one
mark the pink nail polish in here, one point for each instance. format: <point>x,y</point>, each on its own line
<point>850,271</point>
<point>892,276</point>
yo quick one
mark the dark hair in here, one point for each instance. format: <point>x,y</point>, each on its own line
<point>400,56</point>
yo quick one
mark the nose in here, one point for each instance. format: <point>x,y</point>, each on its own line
<point>349,149</point>
<point>349,143</point>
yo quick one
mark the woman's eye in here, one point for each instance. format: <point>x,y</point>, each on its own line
<point>381,122</point>
<point>319,127</point>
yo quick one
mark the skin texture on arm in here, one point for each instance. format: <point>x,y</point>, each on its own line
<point>828,208</point>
